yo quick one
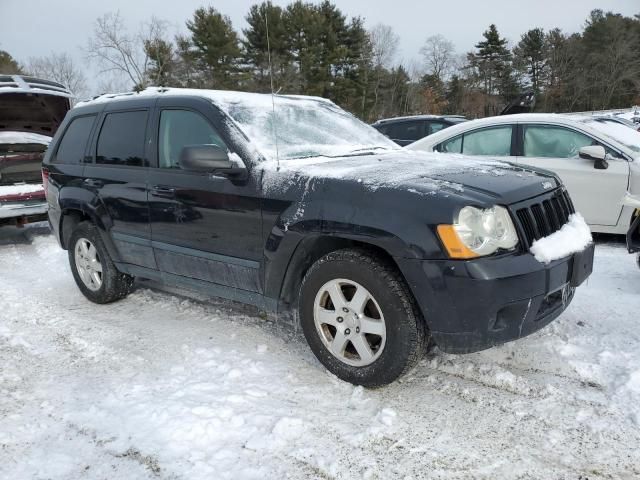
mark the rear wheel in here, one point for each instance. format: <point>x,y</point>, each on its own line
<point>360,319</point>
<point>92,268</point>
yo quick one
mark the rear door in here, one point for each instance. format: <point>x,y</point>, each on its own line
<point>597,194</point>
<point>117,174</point>
<point>495,141</point>
<point>205,226</point>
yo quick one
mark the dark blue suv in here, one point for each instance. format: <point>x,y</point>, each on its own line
<point>406,130</point>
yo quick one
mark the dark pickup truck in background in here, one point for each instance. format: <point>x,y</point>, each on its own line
<point>31,109</point>
<point>375,250</point>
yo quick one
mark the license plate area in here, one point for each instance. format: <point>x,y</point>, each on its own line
<point>582,265</point>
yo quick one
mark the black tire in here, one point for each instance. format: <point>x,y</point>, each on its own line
<point>406,333</point>
<point>115,285</point>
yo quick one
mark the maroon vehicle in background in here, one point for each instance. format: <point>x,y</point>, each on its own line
<point>31,109</point>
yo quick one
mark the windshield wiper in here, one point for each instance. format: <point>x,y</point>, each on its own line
<point>368,149</point>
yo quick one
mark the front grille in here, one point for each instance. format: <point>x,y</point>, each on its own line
<point>543,216</point>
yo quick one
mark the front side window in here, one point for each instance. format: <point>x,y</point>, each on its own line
<point>181,128</point>
<point>74,140</point>
<point>436,127</point>
<point>489,141</point>
<point>122,138</point>
<point>552,141</point>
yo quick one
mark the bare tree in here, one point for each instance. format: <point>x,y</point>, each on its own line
<point>439,56</point>
<point>60,68</point>
<point>384,45</point>
<point>119,52</point>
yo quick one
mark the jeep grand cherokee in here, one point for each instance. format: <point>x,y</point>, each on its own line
<point>295,206</point>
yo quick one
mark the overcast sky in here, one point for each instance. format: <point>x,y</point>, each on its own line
<point>37,27</point>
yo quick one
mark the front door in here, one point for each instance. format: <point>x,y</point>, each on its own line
<point>204,226</point>
<point>596,194</point>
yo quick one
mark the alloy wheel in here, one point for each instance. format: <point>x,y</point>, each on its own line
<point>88,264</point>
<point>350,322</point>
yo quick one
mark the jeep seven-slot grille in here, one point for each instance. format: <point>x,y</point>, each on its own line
<point>548,215</point>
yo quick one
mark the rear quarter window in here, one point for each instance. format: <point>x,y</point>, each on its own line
<point>122,138</point>
<point>74,140</point>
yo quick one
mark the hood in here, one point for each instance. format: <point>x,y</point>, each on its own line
<point>32,105</point>
<point>483,180</point>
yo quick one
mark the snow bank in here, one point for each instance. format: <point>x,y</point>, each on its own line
<point>573,237</point>
<point>20,189</point>
<point>159,387</point>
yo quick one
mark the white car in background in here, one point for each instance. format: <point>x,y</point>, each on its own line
<point>598,161</point>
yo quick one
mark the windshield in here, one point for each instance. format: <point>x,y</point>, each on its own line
<point>618,132</point>
<point>304,127</point>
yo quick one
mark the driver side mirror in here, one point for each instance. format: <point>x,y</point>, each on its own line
<point>597,153</point>
<point>208,159</point>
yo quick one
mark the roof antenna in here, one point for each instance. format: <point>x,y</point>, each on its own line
<point>273,101</point>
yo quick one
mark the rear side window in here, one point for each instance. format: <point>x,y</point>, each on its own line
<point>74,141</point>
<point>414,130</point>
<point>490,141</point>
<point>122,138</point>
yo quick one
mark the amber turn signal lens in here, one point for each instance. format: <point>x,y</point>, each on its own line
<point>452,243</point>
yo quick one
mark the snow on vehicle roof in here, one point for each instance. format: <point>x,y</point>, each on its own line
<point>23,137</point>
<point>222,96</point>
<point>282,126</point>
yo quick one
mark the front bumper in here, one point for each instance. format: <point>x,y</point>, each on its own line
<point>476,304</point>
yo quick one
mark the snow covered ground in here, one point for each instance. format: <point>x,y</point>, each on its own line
<point>163,387</point>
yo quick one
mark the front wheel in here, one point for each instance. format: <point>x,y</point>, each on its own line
<point>359,318</point>
<point>92,268</point>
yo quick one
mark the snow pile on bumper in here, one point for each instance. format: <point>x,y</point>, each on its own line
<point>574,236</point>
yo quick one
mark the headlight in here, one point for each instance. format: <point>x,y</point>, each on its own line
<point>479,232</point>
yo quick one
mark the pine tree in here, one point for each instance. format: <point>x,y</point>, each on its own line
<point>256,51</point>
<point>215,48</point>
<point>530,57</point>
<point>491,64</point>
<point>7,64</point>
<point>161,62</point>
<point>490,59</point>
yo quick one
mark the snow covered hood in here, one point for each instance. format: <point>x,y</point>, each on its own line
<point>420,173</point>
<point>32,105</point>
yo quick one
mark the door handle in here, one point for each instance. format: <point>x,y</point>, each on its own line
<point>92,182</point>
<point>164,192</point>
